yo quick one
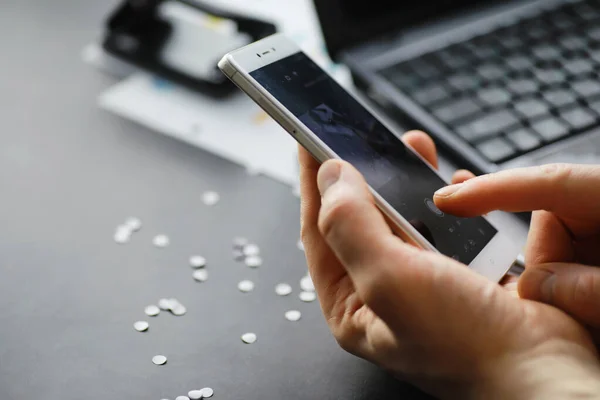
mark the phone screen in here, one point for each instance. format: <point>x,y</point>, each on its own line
<point>355,135</point>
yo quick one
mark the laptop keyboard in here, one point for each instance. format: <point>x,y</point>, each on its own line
<point>516,89</point>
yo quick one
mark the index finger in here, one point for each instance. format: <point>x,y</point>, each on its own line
<point>569,190</point>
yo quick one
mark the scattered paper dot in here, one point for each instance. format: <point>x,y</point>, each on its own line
<point>200,275</point>
<point>159,360</point>
<point>246,286</point>
<point>197,262</point>
<point>152,311</point>
<point>307,284</point>
<point>161,241</point>
<point>249,338</point>
<point>141,326</point>
<point>293,315</point>
<point>210,198</point>
<point>283,289</point>
<point>307,297</point>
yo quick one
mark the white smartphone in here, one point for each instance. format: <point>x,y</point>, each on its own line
<point>331,123</point>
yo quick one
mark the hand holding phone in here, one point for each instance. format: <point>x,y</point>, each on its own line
<point>421,315</point>
<point>332,124</point>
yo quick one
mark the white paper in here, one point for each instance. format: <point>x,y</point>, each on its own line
<point>234,128</point>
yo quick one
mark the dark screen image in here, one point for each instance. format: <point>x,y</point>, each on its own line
<point>390,168</point>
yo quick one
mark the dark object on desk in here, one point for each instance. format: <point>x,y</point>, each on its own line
<point>499,84</point>
<point>137,33</point>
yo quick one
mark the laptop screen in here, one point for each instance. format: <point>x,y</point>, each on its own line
<point>346,23</point>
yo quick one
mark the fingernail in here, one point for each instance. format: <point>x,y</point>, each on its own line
<point>448,190</point>
<point>328,175</point>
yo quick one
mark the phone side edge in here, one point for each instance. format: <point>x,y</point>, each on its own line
<point>399,224</point>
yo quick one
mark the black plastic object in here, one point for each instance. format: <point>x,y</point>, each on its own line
<point>136,33</point>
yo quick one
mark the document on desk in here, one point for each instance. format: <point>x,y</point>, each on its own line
<point>234,128</point>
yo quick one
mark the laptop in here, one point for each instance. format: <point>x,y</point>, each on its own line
<point>498,84</point>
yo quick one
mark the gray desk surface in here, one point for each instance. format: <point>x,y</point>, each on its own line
<point>69,173</point>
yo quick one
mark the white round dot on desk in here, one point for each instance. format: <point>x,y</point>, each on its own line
<point>141,326</point>
<point>307,297</point>
<point>200,275</point>
<point>195,394</point>
<point>159,360</point>
<point>161,241</point>
<point>165,304</point>
<point>249,338</point>
<point>293,315</point>
<point>152,310</point>
<point>197,262</point>
<point>246,286</point>
<point>253,261</point>
<point>307,284</point>
<point>210,198</point>
<point>133,223</point>
<point>283,289</point>
<point>251,250</point>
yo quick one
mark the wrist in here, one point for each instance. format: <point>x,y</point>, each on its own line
<point>572,373</point>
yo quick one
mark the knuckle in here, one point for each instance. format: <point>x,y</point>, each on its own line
<point>346,340</point>
<point>376,286</point>
<point>557,176</point>
<point>347,334</point>
<point>334,214</point>
<point>558,172</point>
<point>585,289</point>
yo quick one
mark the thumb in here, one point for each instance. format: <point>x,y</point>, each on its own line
<point>408,288</point>
<point>574,288</point>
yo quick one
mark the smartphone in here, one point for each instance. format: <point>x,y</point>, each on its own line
<point>331,123</point>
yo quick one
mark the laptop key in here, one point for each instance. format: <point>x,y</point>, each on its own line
<point>587,88</point>
<point>586,11</point>
<point>494,96</point>
<point>561,20</point>
<point>430,94</point>
<point>594,34</point>
<point>578,118</point>
<point>496,149</point>
<point>572,42</point>
<point>452,60</point>
<point>532,108</point>
<point>491,71</point>
<point>550,76</point>
<point>424,69</point>
<point>537,32</point>
<point>595,55</point>
<point>519,62</point>
<point>546,52</point>
<point>509,39</point>
<point>579,66</point>
<point>488,125</point>
<point>524,139</point>
<point>463,81</point>
<point>482,50</point>
<point>551,129</point>
<point>559,97</point>
<point>456,109</point>
<point>521,86</point>
<point>401,77</point>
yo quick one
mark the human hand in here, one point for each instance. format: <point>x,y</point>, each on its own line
<point>563,247</point>
<point>423,316</point>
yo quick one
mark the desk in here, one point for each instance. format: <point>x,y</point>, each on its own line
<point>70,173</point>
